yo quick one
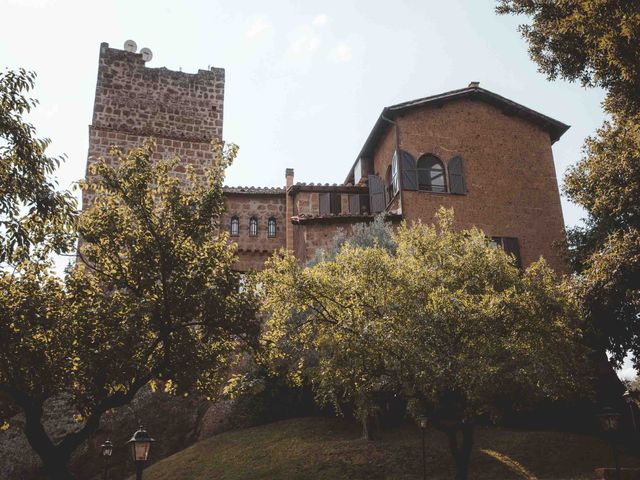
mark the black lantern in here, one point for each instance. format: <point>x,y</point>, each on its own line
<point>140,445</point>
<point>423,421</point>
<point>609,420</point>
<point>107,448</point>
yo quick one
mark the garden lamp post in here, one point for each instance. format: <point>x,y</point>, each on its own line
<point>423,421</point>
<point>106,449</point>
<point>140,444</point>
<point>610,422</point>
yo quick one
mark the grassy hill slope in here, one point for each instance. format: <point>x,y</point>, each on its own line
<point>323,449</point>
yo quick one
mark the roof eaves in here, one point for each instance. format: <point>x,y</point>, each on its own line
<point>370,142</point>
<point>555,128</point>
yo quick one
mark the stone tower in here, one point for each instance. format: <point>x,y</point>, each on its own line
<point>182,111</point>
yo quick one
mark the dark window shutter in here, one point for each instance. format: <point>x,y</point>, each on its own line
<point>512,247</point>
<point>336,203</point>
<point>376,194</point>
<point>354,204</point>
<point>409,172</point>
<point>456,175</point>
<point>325,203</point>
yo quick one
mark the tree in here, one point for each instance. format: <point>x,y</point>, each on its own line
<point>32,210</point>
<point>365,234</point>
<point>606,253</point>
<point>598,43</point>
<point>591,41</point>
<point>447,321</point>
<point>153,299</point>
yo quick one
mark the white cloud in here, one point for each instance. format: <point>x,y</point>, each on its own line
<point>341,53</point>
<point>305,42</point>
<point>320,20</point>
<point>260,26</point>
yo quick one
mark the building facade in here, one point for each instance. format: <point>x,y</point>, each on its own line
<point>487,157</point>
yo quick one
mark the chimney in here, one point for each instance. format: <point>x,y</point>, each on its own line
<point>289,212</point>
<point>474,85</point>
<point>289,176</point>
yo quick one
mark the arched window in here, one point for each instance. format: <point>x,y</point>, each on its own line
<point>253,227</point>
<point>271,227</point>
<point>431,174</point>
<point>234,228</point>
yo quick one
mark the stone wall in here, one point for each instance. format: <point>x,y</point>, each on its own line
<point>261,204</point>
<point>156,101</point>
<point>182,111</point>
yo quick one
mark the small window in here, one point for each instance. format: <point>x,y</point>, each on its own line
<point>253,227</point>
<point>234,228</point>
<point>271,227</point>
<point>431,174</point>
<point>330,203</point>
<point>509,245</point>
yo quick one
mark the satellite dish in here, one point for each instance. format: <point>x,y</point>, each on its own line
<point>130,46</point>
<point>146,54</point>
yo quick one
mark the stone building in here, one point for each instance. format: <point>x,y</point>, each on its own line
<point>470,149</point>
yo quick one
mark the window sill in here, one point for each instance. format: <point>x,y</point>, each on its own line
<point>437,193</point>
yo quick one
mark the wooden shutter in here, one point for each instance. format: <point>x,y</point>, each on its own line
<point>456,175</point>
<point>512,247</point>
<point>409,172</point>
<point>376,194</point>
<point>354,204</point>
<point>325,203</point>
<point>336,203</point>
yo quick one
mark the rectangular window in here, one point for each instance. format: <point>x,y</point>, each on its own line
<point>330,203</point>
<point>509,245</point>
<point>359,204</point>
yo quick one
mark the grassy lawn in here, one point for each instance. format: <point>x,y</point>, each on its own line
<point>323,449</point>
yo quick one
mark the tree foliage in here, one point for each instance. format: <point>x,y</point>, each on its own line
<point>366,234</point>
<point>598,43</point>
<point>606,250</point>
<point>448,321</point>
<point>591,41</point>
<point>153,299</point>
<point>32,210</point>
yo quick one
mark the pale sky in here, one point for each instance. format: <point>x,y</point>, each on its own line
<point>305,81</point>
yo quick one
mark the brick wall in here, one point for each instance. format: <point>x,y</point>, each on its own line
<point>509,174</point>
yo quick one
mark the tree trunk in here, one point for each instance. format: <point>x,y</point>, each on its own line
<point>461,453</point>
<point>54,459</point>
<point>57,470</point>
<point>609,387</point>
<point>367,433</point>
